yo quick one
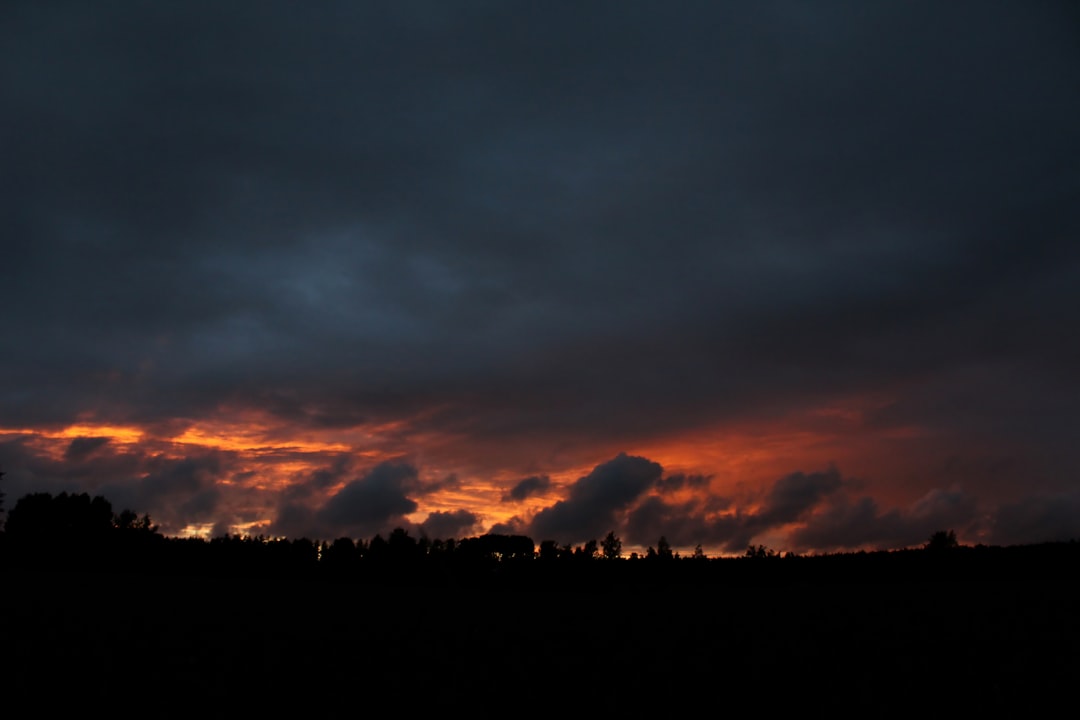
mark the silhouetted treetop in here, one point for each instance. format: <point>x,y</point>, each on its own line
<point>663,549</point>
<point>498,547</point>
<point>68,516</point>
<point>41,514</point>
<point>942,540</point>
<point>612,546</point>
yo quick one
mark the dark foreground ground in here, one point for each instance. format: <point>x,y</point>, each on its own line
<point>171,646</point>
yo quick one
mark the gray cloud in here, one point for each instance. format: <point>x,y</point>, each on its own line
<point>1039,518</point>
<point>373,503</point>
<point>513,526</point>
<point>683,525</point>
<point>593,501</point>
<point>792,496</point>
<point>678,481</point>
<point>81,448</point>
<point>175,492</point>
<point>803,511</point>
<point>445,525</point>
<point>373,187</point>
<point>526,487</point>
<point>846,523</point>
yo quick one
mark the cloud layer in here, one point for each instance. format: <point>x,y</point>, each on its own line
<point>506,242</point>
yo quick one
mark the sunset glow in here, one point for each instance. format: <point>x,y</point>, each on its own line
<point>726,275</point>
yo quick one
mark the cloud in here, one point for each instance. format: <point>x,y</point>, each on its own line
<point>513,526</point>
<point>81,448</point>
<point>446,525</point>
<point>525,487</point>
<point>847,523</point>
<point>815,511</point>
<point>316,481</point>
<point>174,492</point>
<point>678,481</point>
<point>681,524</point>
<point>714,523</point>
<point>295,520</point>
<point>794,495</point>
<point>366,238</point>
<point>447,482</point>
<point>1039,518</point>
<point>372,503</point>
<point>593,501</point>
<point>511,233</point>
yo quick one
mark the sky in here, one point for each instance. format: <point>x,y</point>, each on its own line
<point>796,274</point>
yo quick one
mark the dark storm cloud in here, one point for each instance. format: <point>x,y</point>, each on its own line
<point>1039,518</point>
<point>446,525</point>
<point>527,486</point>
<point>291,208</point>
<point>447,482</point>
<point>174,492</point>
<point>593,501</point>
<point>678,481</point>
<point>296,520</point>
<point>794,495</point>
<point>845,523</point>
<point>376,502</point>
<point>372,503</point>
<point>82,447</point>
<point>807,511</point>
<point>513,526</point>
<point>683,525</point>
<point>30,468</point>
<point>319,479</point>
<point>553,221</point>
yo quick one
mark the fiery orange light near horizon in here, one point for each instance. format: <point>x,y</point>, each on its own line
<point>119,433</point>
<point>741,459</point>
<point>253,441</point>
<point>221,436</point>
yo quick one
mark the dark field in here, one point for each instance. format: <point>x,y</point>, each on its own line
<point>215,646</point>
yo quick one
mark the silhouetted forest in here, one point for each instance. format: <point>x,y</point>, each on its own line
<point>103,605</point>
<point>77,532</point>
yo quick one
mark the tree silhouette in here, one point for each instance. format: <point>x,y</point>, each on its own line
<point>129,520</point>
<point>612,546</point>
<point>586,551</point>
<point>663,549</point>
<point>497,547</point>
<point>61,517</point>
<point>378,549</point>
<point>341,555</point>
<point>942,540</point>
<point>760,552</point>
<point>402,546</point>
<point>549,550</point>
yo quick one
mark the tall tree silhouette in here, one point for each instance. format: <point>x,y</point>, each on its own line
<point>663,549</point>
<point>549,550</point>
<point>612,546</point>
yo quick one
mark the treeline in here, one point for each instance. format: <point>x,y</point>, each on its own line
<point>74,532</point>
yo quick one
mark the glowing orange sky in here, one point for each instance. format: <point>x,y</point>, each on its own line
<point>740,461</point>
